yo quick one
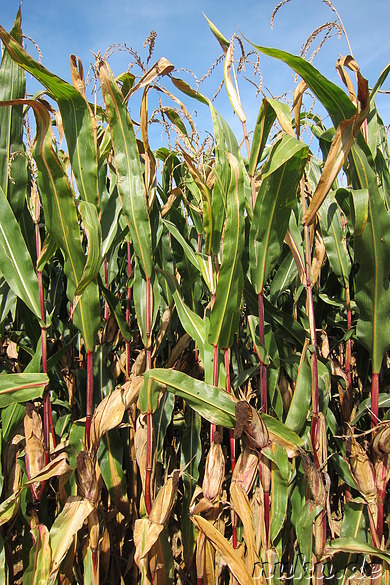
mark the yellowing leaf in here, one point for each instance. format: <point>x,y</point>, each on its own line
<point>65,528</point>
<point>227,552</point>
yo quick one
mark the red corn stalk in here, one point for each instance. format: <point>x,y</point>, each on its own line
<point>374,399</point>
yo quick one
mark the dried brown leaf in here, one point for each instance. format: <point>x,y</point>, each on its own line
<point>339,150</point>
<point>162,67</point>
<point>107,416</point>
<point>146,534</point>
<point>230,87</point>
<point>227,552</point>
<point>241,505</point>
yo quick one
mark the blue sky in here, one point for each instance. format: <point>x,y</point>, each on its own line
<point>84,27</point>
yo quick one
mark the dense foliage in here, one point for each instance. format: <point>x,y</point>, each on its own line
<point>194,367</point>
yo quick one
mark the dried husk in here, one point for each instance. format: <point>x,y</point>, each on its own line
<point>107,416</point>
<point>140,447</point>
<point>86,477</point>
<point>249,421</point>
<point>35,452</point>
<point>318,258</point>
<point>315,481</point>
<point>165,500</point>
<point>285,391</point>
<point>214,473</point>
<point>364,474</point>
<point>246,468</point>
<point>362,469</point>
<point>131,390</point>
<point>381,442</point>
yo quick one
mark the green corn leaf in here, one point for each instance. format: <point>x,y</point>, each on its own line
<point>332,233</point>
<point>333,98</point>
<point>188,90</point>
<point>187,249</point>
<point>359,209</point>
<point>139,296</point>
<point>381,79</point>
<point>211,402</point>
<point>62,224</point>
<point>221,185</point>
<point>192,323</point>
<point>11,417</point>
<point>365,405</point>
<point>76,118</point>
<point>355,523</point>
<point>270,109</point>
<point>224,314</point>
<point>162,417</point>
<point>372,253</point>
<point>93,233</point>
<point>277,318</point>
<point>13,164</point>
<point>261,350</point>
<point>3,564</point>
<point>284,436</point>
<point>48,250</point>
<point>21,387</point>
<point>285,274</point>
<point>15,261</point>
<point>190,457</point>
<point>343,470</point>
<point>110,222</point>
<point>304,528</point>
<point>300,403</point>
<point>115,307</point>
<point>351,545</point>
<point>279,502</point>
<point>175,119</point>
<point>272,210</point>
<point>128,167</point>
<point>110,458</point>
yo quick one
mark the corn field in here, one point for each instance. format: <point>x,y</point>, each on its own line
<point>194,339</point>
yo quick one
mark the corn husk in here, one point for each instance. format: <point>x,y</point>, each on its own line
<point>249,422</point>
<point>35,452</point>
<point>246,468</point>
<point>165,500</point>
<point>214,473</point>
<point>364,474</point>
<point>86,477</point>
<point>315,481</point>
<point>381,442</point>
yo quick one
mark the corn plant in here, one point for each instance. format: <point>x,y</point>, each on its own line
<point>195,338</point>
